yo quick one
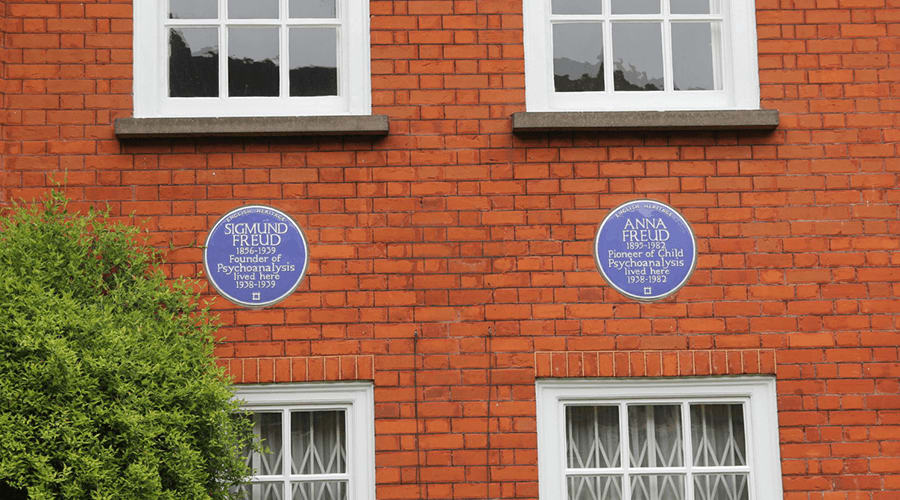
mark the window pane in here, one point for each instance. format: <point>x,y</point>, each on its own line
<point>578,57</point>
<point>267,428</point>
<point>657,487</point>
<point>261,491</point>
<point>319,490</point>
<point>717,434</point>
<point>594,487</point>
<point>695,6</point>
<point>253,9</point>
<point>193,9</point>
<point>318,442</point>
<point>692,56</point>
<point>313,53</point>
<point>194,62</point>
<point>637,51</point>
<point>635,6</point>
<point>592,434</point>
<point>312,8</point>
<point>577,6</point>
<point>654,433</point>
<point>721,487</point>
<point>252,61</point>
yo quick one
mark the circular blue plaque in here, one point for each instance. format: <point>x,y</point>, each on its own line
<point>255,256</point>
<point>645,249</point>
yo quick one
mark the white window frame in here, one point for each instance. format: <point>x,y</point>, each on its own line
<point>739,72</point>
<point>357,401</point>
<point>150,64</point>
<point>757,394</point>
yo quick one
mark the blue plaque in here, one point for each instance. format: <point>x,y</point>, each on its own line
<point>255,256</point>
<point>645,249</point>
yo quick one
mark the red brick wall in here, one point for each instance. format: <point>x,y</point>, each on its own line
<point>451,260</point>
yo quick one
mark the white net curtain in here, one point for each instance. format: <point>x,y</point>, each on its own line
<point>316,453</point>
<point>598,468</point>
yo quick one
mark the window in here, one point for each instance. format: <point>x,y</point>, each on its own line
<point>319,440</point>
<point>656,439</point>
<point>213,58</point>
<point>633,55</point>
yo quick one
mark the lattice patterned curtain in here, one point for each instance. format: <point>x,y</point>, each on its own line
<point>654,465</point>
<point>318,447</point>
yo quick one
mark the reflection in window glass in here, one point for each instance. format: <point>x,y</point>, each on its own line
<point>193,9</point>
<point>578,57</point>
<point>194,62</point>
<point>253,9</point>
<point>577,7</point>
<point>692,56</point>
<point>635,6</point>
<point>694,6</point>
<point>637,52</point>
<point>252,61</point>
<point>313,61</point>
<point>312,9</point>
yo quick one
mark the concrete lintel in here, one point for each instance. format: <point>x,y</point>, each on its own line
<point>587,121</point>
<point>256,126</point>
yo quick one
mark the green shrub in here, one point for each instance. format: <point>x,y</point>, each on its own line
<point>108,385</point>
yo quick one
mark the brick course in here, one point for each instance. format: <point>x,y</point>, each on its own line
<point>451,260</point>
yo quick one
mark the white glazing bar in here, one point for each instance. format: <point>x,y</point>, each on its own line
<point>687,450</point>
<point>318,477</point>
<point>608,83</point>
<point>593,471</point>
<point>717,33</point>
<point>668,58</point>
<point>286,452</point>
<point>284,57</point>
<point>623,428</point>
<point>223,53</point>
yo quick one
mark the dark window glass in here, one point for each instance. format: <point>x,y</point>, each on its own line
<point>252,61</point>
<point>637,52</point>
<point>193,9</point>
<point>312,8</point>
<point>577,6</point>
<point>578,57</point>
<point>253,9</point>
<point>193,62</point>
<point>313,61</point>
<point>695,6</point>
<point>635,6</point>
<point>692,56</point>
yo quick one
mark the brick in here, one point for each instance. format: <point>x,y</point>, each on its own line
<point>458,248</point>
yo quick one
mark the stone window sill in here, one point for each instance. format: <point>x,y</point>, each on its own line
<point>601,121</point>
<point>256,126</point>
